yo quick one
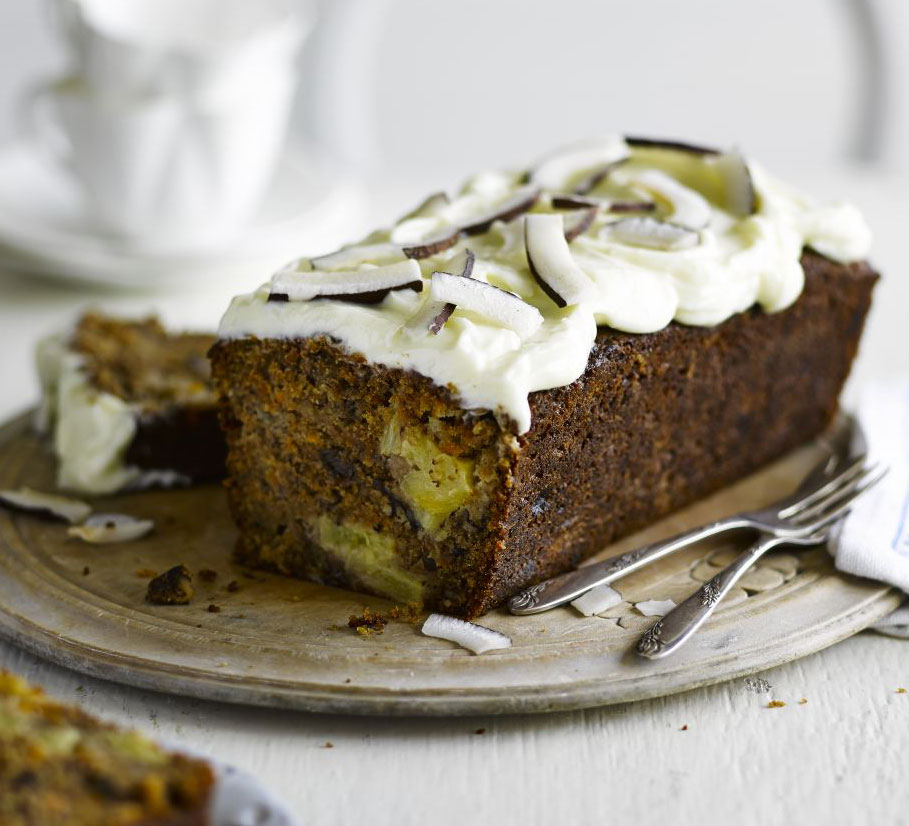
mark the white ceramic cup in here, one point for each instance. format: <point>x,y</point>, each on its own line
<point>165,171</point>
<point>195,48</point>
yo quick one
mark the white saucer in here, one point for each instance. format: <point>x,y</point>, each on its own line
<point>310,209</point>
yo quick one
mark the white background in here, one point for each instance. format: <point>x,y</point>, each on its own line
<point>424,91</point>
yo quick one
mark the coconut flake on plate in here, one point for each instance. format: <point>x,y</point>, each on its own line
<point>366,286</point>
<point>469,635</point>
<point>499,306</point>
<point>551,262</point>
<point>105,528</point>
<point>46,505</point>
<point>644,231</point>
<point>655,607</point>
<point>600,598</point>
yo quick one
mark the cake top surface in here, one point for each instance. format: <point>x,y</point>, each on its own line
<point>498,291</point>
<point>142,363</point>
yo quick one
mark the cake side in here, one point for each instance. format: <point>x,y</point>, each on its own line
<point>375,479</point>
<point>661,420</point>
<point>359,477</point>
<point>60,765</point>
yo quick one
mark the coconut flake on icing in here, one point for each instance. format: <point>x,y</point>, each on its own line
<point>740,259</point>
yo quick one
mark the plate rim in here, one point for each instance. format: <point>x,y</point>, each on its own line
<point>511,698</point>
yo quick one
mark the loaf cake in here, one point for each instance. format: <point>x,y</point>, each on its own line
<point>505,381</point>
<point>61,767</point>
<point>129,405</point>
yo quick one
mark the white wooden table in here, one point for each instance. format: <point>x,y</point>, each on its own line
<point>838,758</point>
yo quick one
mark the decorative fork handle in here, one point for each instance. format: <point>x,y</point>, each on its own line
<point>676,628</point>
<point>566,587</point>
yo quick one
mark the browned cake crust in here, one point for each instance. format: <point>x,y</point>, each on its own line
<point>325,449</point>
<point>60,766</point>
<point>166,377</point>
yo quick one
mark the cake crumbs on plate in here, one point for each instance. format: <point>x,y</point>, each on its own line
<point>901,691</point>
<point>173,587</point>
<point>775,704</point>
<point>208,574</point>
<point>214,609</point>
<point>233,586</point>
<point>367,623</point>
<point>684,728</point>
<point>328,745</point>
<point>480,731</point>
<point>86,571</point>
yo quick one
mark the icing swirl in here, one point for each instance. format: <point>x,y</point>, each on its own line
<point>673,234</point>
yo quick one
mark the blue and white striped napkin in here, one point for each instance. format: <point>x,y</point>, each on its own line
<point>873,541</point>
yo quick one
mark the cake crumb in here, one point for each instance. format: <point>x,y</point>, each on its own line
<point>86,571</point>
<point>214,609</point>
<point>328,745</point>
<point>803,701</point>
<point>408,613</point>
<point>480,731</point>
<point>146,573</point>
<point>233,586</point>
<point>901,691</point>
<point>207,574</point>
<point>173,587</point>
<point>367,623</point>
<point>347,680</point>
<point>775,704</point>
<point>685,727</point>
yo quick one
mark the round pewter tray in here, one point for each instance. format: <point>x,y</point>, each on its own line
<point>282,642</point>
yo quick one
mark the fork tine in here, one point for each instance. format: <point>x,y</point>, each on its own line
<point>821,526</point>
<point>836,495</point>
<point>847,473</point>
<point>842,501</point>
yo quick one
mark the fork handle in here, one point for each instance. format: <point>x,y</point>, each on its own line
<point>566,587</point>
<point>677,627</point>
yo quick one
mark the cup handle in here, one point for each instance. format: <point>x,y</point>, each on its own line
<point>37,124</point>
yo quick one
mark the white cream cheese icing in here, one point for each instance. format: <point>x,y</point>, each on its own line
<point>91,429</point>
<point>732,262</point>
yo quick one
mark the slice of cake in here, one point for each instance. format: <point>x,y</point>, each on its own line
<point>58,765</point>
<point>129,405</point>
<point>507,380</point>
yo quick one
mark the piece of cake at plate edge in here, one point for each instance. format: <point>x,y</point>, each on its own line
<point>60,765</point>
<point>506,381</point>
<point>129,405</point>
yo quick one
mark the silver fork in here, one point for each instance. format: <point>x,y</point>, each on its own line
<point>813,518</point>
<point>829,474</point>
